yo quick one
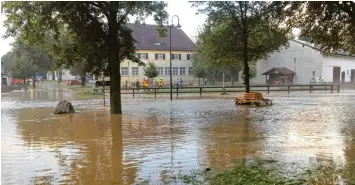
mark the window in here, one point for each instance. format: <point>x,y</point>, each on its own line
<point>167,70</point>
<point>159,43</point>
<point>159,56</point>
<point>182,70</point>
<point>143,55</point>
<point>135,71</point>
<point>191,71</point>
<point>124,71</point>
<point>188,56</point>
<point>176,56</point>
<point>175,71</point>
<point>161,70</point>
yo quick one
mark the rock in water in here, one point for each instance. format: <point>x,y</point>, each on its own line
<point>64,107</point>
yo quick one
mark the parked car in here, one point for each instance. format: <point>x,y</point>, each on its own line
<point>73,82</point>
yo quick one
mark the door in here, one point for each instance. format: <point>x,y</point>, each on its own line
<point>336,74</point>
<point>343,77</point>
<point>352,76</point>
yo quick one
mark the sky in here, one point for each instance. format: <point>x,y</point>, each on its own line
<point>188,20</point>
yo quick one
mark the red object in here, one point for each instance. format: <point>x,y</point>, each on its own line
<point>73,82</point>
<point>15,81</point>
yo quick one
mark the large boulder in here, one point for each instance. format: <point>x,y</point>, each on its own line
<point>64,107</point>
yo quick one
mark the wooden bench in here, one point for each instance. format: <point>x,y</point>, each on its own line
<point>252,98</point>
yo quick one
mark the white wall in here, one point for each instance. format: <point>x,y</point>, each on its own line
<point>307,61</point>
<point>65,75</point>
<point>345,63</point>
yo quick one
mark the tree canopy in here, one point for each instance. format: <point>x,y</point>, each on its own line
<point>329,24</point>
<point>151,70</point>
<point>100,29</point>
<point>238,33</point>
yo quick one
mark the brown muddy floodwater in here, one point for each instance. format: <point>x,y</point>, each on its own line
<point>156,137</point>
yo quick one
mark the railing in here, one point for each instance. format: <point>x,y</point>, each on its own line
<point>216,89</point>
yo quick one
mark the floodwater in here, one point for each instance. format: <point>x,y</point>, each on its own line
<point>156,137</point>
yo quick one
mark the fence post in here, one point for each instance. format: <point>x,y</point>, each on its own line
<point>155,92</point>
<point>133,92</point>
<point>103,90</point>
<point>288,89</point>
<point>177,92</point>
<point>331,88</point>
<point>268,89</point>
<point>200,91</point>
<point>338,88</point>
<point>310,88</point>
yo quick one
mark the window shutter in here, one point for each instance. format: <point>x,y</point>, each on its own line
<point>163,56</point>
<point>188,56</point>
<point>179,56</point>
<point>156,56</point>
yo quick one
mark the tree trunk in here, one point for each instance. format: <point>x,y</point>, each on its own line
<point>34,80</point>
<point>237,76</point>
<point>24,81</point>
<point>59,76</point>
<point>83,80</point>
<point>96,77</point>
<point>53,75</point>
<point>232,81</point>
<point>245,51</point>
<point>114,62</point>
<point>199,81</point>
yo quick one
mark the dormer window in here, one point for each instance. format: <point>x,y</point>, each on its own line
<point>158,43</point>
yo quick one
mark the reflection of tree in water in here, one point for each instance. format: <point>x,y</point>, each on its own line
<point>229,139</point>
<point>98,142</point>
<point>95,143</point>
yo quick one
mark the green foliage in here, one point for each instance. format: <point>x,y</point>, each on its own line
<point>330,24</point>
<point>200,66</point>
<point>100,34</point>
<point>151,70</point>
<point>77,69</point>
<point>21,66</point>
<point>239,32</point>
<point>265,172</point>
<point>6,61</point>
<point>25,61</point>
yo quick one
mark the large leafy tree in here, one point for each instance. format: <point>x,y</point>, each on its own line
<point>6,61</point>
<point>242,31</point>
<point>24,55</point>
<point>101,25</point>
<point>329,24</point>
<point>22,67</point>
<point>200,67</point>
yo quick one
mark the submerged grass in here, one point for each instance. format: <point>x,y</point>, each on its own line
<point>266,172</point>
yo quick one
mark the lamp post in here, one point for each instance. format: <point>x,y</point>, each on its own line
<point>171,70</point>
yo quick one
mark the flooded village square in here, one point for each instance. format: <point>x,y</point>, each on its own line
<point>177,92</point>
<point>155,139</point>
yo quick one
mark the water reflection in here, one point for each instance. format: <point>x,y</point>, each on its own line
<point>155,137</point>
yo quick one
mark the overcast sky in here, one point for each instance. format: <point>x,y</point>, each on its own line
<point>188,20</point>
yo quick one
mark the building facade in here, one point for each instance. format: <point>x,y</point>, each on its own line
<point>303,63</point>
<point>150,47</point>
<point>153,48</point>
